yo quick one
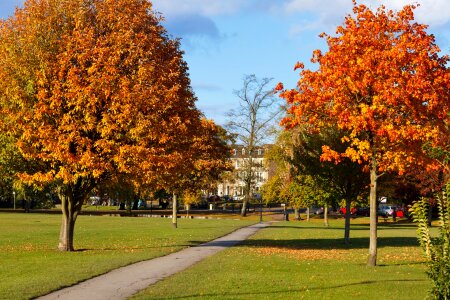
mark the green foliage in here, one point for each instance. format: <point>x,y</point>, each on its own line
<point>289,184</point>
<point>436,249</point>
<point>304,192</point>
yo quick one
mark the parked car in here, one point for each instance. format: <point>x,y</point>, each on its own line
<point>238,198</point>
<point>319,210</point>
<point>386,210</point>
<point>363,211</point>
<point>316,210</point>
<point>343,210</point>
<point>356,211</point>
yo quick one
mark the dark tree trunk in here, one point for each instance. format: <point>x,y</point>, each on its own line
<point>430,214</point>
<point>347,221</point>
<point>129,206</point>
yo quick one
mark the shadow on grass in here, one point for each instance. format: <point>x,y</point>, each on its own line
<point>193,244</point>
<point>290,291</point>
<point>321,227</point>
<point>402,264</point>
<point>337,243</point>
<point>314,244</point>
<point>381,226</point>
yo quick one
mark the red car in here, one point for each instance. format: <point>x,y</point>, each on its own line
<point>343,210</point>
<point>358,211</point>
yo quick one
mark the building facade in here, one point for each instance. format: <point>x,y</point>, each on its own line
<point>233,185</point>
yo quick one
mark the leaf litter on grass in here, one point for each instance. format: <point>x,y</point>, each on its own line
<point>411,254</point>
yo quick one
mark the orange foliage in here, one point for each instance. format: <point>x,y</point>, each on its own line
<point>95,88</point>
<point>383,82</point>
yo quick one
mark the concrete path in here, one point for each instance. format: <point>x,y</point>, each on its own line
<point>127,281</point>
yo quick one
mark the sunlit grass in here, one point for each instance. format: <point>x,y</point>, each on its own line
<point>31,266</point>
<point>305,260</point>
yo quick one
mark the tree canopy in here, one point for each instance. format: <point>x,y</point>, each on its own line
<point>97,88</point>
<point>383,82</point>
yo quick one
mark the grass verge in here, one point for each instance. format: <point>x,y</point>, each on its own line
<point>301,260</point>
<point>31,266</point>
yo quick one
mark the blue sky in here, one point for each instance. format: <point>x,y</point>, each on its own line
<point>224,40</point>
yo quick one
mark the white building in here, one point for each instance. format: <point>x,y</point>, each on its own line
<point>233,185</point>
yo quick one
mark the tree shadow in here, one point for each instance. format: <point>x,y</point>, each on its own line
<point>354,227</point>
<point>390,225</point>
<point>314,227</point>
<point>312,244</point>
<point>332,243</point>
<point>194,243</point>
<point>289,291</point>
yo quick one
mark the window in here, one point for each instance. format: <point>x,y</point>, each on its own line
<point>259,151</point>
<point>234,152</point>
<point>243,151</point>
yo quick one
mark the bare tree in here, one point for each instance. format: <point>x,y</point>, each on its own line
<point>252,123</point>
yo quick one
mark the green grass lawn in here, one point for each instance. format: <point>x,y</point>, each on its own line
<point>301,260</point>
<point>31,266</point>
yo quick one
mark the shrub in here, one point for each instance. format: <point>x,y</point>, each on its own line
<point>436,249</point>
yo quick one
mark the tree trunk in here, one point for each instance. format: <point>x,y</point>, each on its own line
<point>297,214</point>
<point>307,214</point>
<point>244,207</point>
<point>174,210</point>
<point>66,232</point>
<point>372,260</point>
<point>129,205</point>
<point>72,198</point>
<point>70,210</point>
<point>347,221</point>
<point>187,207</point>
<point>430,214</point>
<point>325,216</point>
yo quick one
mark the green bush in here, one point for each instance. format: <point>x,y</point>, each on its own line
<point>436,249</point>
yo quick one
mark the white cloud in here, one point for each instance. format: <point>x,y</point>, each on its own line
<point>203,7</point>
<point>324,15</point>
<point>432,12</point>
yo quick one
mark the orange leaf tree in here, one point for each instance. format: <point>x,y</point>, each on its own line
<point>94,89</point>
<point>202,158</point>
<point>383,82</point>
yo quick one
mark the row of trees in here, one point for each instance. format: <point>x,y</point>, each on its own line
<point>96,93</point>
<point>377,103</point>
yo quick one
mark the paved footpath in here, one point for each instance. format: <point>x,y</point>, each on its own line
<point>127,281</point>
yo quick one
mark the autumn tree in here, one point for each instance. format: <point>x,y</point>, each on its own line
<point>383,82</point>
<point>204,154</point>
<point>345,181</point>
<point>297,152</point>
<point>251,123</point>
<point>9,162</point>
<point>286,185</point>
<point>93,89</point>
